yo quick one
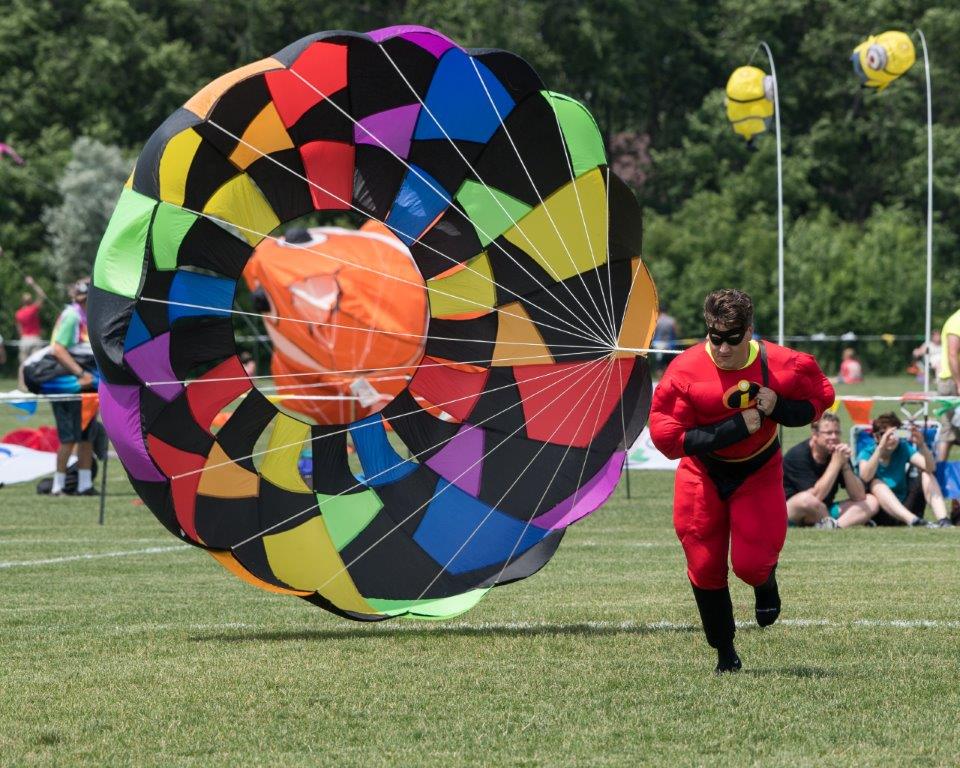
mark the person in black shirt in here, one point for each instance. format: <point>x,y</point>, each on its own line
<point>812,474</point>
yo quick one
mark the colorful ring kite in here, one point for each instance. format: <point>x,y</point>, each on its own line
<point>530,386</point>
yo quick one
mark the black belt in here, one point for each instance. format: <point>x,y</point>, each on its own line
<point>728,475</point>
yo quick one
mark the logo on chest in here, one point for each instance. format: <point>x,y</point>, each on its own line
<point>742,395</point>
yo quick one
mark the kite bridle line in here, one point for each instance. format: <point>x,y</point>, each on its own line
<point>568,375</point>
<point>345,429</point>
<point>348,428</point>
<point>543,496</point>
<point>590,443</point>
<point>310,249</point>
<point>613,363</point>
<point>543,445</point>
<point>596,267</point>
<point>360,370</point>
<point>450,483</point>
<point>580,329</point>
<point>536,189</point>
<point>441,193</point>
<point>402,334</point>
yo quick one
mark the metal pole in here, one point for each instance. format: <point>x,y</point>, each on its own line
<point>776,117</point>
<point>926,357</point>
<point>103,485</point>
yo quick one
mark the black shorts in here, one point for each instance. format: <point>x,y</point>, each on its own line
<point>67,414</point>
<point>913,501</point>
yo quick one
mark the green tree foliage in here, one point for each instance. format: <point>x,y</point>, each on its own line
<point>88,189</point>
<point>652,73</point>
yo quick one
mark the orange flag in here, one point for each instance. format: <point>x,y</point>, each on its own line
<point>89,405</point>
<point>859,410</point>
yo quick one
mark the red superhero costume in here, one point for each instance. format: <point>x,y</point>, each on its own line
<point>729,486</point>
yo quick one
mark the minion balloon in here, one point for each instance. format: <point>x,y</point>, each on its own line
<point>881,59</point>
<point>749,101</point>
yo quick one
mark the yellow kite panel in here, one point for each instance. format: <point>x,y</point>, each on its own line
<point>305,558</point>
<point>175,165</point>
<point>567,234</point>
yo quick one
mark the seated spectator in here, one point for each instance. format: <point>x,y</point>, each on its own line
<point>812,473</point>
<point>883,469</point>
<point>851,372</point>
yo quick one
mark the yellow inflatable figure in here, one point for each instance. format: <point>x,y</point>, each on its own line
<point>749,101</point>
<point>880,60</point>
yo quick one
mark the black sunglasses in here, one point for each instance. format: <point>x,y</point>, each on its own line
<point>733,337</point>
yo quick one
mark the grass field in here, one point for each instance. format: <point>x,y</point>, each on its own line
<point>118,646</point>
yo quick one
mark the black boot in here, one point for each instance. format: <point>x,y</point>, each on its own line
<point>727,660</point>
<point>716,614</point>
<point>768,600</point>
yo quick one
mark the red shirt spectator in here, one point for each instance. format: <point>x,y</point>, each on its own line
<point>28,319</point>
<point>851,372</point>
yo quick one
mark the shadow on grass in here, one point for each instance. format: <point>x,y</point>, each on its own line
<point>582,629</point>
<point>813,673</point>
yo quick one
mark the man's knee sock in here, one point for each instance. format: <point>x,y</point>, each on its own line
<point>767,597</point>
<point>716,613</point>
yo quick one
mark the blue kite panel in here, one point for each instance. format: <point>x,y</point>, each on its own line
<point>381,464</point>
<point>420,200</point>
<point>458,102</point>
<point>137,333</point>
<point>455,516</point>
<point>193,295</point>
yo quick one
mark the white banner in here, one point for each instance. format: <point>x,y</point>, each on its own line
<point>19,464</point>
<point>644,455</point>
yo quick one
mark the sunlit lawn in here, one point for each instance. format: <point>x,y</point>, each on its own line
<point>157,656</point>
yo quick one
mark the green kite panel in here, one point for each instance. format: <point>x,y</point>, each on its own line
<point>119,264</point>
<point>348,514</point>
<point>580,132</point>
<point>170,226</point>
<point>442,608</point>
<point>491,211</point>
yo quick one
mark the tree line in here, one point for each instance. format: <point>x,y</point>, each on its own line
<point>83,85</point>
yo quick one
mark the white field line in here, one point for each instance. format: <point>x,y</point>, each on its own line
<point>525,626</point>
<point>91,556</point>
<point>673,625</point>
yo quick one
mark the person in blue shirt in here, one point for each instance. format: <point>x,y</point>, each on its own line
<point>883,469</point>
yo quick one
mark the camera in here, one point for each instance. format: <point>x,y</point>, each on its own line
<point>904,433</point>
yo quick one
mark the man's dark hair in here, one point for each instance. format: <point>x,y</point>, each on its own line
<point>728,307</point>
<point>831,417</point>
<point>883,422</point>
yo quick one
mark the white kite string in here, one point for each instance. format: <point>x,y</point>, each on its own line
<point>304,321</point>
<point>419,367</point>
<point>451,483</point>
<point>578,329</point>
<point>556,471</point>
<point>367,480</point>
<point>345,430</point>
<point>507,213</point>
<point>494,507</point>
<point>546,208</point>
